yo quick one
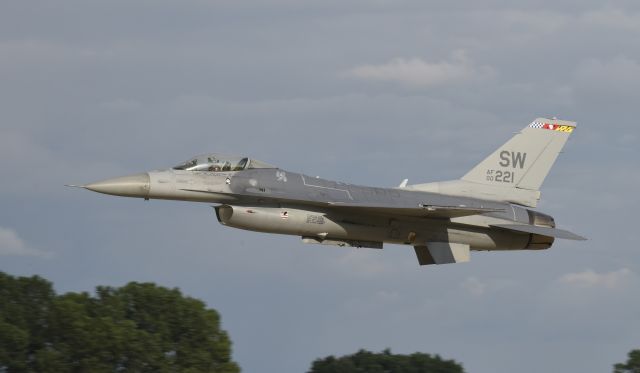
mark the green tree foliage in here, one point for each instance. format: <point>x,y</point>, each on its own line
<point>385,362</point>
<point>139,327</point>
<point>631,366</point>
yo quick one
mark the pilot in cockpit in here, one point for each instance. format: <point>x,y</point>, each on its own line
<point>215,163</point>
<point>212,167</point>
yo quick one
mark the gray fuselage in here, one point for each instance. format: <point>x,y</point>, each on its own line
<point>272,200</point>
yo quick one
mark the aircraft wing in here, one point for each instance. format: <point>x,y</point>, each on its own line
<point>543,231</point>
<point>417,210</point>
<point>433,211</point>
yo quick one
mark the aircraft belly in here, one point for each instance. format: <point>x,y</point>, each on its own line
<point>324,224</point>
<point>478,238</point>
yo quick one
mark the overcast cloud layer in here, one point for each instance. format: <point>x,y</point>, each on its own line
<point>368,92</point>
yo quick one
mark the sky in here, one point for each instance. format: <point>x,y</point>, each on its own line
<point>367,92</point>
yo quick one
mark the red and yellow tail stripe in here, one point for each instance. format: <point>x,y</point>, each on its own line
<point>553,126</point>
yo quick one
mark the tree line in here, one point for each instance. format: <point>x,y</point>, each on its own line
<point>139,327</point>
<point>142,327</point>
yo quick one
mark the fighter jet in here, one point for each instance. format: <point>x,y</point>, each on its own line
<point>489,208</point>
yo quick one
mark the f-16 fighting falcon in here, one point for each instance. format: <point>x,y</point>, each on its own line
<point>486,209</point>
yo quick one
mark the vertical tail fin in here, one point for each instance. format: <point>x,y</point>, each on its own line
<point>524,161</point>
<point>514,172</point>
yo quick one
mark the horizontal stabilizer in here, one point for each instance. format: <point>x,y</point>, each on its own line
<point>442,253</point>
<point>543,231</point>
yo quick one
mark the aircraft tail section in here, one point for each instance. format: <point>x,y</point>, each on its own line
<point>525,160</point>
<point>516,170</point>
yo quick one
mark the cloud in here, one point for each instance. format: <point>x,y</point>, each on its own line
<point>121,105</point>
<point>619,76</point>
<point>613,19</point>
<point>419,73</point>
<point>379,300</point>
<point>12,245</point>
<point>591,279</point>
<point>478,288</point>
<point>362,263</point>
<point>474,286</point>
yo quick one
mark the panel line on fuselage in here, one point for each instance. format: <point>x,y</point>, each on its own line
<point>304,182</point>
<point>513,209</point>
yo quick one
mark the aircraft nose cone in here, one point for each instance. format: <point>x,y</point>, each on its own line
<point>126,186</point>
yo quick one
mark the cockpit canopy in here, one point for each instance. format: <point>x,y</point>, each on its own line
<point>219,162</point>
